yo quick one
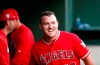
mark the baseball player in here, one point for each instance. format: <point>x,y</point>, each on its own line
<point>58,47</point>
<point>6,26</point>
<point>22,40</point>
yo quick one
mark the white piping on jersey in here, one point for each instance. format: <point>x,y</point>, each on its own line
<point>55,39</point>
<point>86,55</point>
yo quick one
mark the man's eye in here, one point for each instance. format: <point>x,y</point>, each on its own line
<point>45,23</point>
<point>53,22</point>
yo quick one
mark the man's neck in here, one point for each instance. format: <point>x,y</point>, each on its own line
<point>6,31</point>
<point>50,40</point>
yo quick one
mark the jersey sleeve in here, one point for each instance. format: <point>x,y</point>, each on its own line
<point>23,48</point>
<point>81,50</point>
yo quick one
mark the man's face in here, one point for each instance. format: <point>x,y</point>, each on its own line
<point>49,25</point>
<point>11,25</point>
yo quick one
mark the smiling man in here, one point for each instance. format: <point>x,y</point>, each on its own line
<point>58,47</point>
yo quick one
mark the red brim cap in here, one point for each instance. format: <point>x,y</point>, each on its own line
<point>9,14</point>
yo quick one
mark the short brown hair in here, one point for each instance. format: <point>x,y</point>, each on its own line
<point>47,13</point>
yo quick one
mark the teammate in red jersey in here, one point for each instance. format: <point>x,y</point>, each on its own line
<point>58,47</point>
<point>22,40</point>
<point>6,26</point>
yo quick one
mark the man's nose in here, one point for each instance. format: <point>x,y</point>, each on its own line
<point>50,25</point>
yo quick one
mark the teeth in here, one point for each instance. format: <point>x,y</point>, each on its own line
<point>50,30</point>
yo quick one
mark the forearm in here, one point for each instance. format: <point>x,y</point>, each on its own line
<point>88,61</point>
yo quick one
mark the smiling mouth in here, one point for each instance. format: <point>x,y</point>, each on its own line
<point>50,30</point>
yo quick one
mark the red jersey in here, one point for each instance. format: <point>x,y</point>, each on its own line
<point>23,39</point>
<point>67,49</point>
<point>4,51</point>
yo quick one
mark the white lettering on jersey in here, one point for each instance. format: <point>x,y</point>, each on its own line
<point>56,55</point>
<point>72,63</point>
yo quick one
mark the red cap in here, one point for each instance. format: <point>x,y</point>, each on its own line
<point>9,14</point>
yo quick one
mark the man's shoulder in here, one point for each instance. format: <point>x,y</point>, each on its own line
<point>38,44</point>
<point>68,34</point>
<point>25,29</point>
<point>39,41</point>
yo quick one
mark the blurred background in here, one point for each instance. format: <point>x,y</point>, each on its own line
<point>78,16</point>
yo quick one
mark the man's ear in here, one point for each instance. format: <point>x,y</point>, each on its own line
<point>12,23</point>
<point>7,22</point>
<point>58,23</point>
<point>40,26</point>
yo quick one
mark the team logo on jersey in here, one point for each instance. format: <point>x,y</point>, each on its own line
<point>83,44</point>
<point>19,51</point>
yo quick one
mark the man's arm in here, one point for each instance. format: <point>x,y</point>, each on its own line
<point>88,60</point>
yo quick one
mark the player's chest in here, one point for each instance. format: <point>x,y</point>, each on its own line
<point>50,55</point>
<point>54,52</point>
